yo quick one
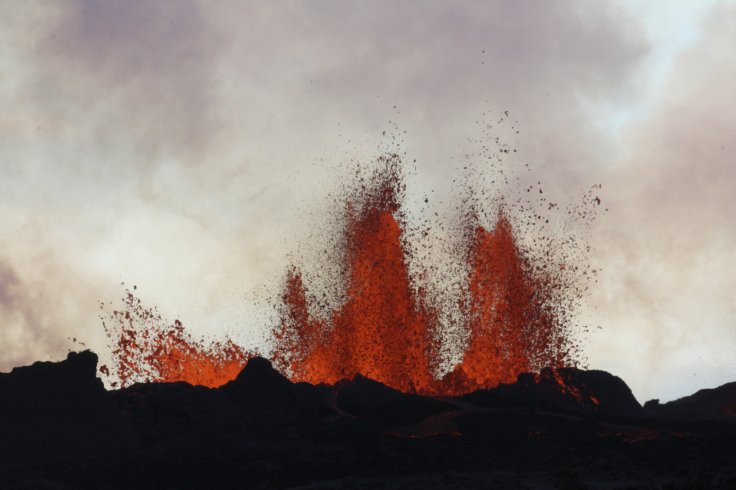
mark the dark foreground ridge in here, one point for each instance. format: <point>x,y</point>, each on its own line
<point>564,428</point>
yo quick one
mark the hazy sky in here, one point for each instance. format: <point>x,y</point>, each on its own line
<point>188,148</point>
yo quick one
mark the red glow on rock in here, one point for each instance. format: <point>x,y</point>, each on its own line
<point>730,409</point>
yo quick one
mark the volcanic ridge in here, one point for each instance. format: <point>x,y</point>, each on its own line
<point>558,428</point>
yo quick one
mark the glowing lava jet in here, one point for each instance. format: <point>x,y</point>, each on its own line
<point>145,349</point>
<point>388,333</point>
<point>385,328</point>
<point>380,331</point>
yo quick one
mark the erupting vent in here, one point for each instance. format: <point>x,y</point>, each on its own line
<point>514,307</point>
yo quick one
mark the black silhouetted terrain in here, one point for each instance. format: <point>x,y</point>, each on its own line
<point>565,428</point>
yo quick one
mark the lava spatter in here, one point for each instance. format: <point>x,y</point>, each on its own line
<point>517,290</point>
<point>510,328</point>
<point>515,311</point>
<point>380,331</point>
<point>146,348</point>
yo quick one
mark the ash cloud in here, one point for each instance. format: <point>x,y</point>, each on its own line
<point>26,330</point>
<point>670,287</point>
<point>134,75</point>
<point>181,146</point>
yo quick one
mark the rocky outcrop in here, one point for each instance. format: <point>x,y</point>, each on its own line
<point>709,404</point>
<point>51,412</point>
<point>591,393</point>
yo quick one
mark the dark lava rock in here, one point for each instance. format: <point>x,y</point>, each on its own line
<point>593,393</point>
<point>651,404</point>
<point>708,404</point>
<point>57,411</point>
<point>376,403</point>
<point>260,387</point>
<point>59,428</point>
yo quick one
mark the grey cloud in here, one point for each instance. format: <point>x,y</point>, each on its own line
<point>438,61</point>
<point>131,75</point>
<point>677,184</point>
<point>24,332</point>
<point>333,68</point>
<point>671,228</point>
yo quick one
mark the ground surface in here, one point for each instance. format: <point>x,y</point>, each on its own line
<point>558,429</point>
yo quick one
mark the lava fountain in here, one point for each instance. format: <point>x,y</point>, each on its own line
<point>145,348</point>
<point>514,307</point>
<point>380,331</point>
<point>387,330</point>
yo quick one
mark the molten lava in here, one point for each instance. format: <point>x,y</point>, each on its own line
<point>387,332</point>
<point>380,331</point>
<point>385,328</point>
<point>145,349</point>
<point>512,328</point>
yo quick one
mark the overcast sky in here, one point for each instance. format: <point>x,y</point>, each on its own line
<point>188,148</point>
